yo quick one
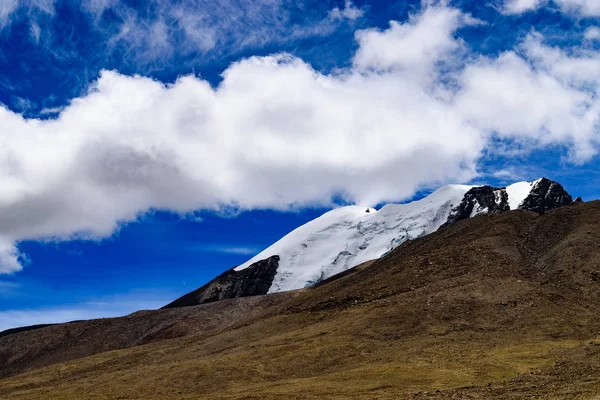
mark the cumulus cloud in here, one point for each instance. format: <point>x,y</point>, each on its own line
<point>544,96</point>
<point>424,40</point>
<point>278,134</point>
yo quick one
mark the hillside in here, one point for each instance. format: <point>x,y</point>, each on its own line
<point>502,306</point>
<point>39,347</point>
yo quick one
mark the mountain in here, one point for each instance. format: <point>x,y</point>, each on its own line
<point>502,306</point>
<point>348,236</point>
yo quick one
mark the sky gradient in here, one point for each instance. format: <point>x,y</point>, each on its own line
<point>145,147</point>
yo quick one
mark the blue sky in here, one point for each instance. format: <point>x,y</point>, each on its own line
<point>145,147</point>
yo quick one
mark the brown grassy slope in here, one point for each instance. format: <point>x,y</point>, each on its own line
<point>37,348</point>
<point>498,306</point>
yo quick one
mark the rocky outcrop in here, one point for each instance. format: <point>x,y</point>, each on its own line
<point>545,196</point>
<point>480,200</point>
<point>252,281</point>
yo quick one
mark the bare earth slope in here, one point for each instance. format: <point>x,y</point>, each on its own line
<point>494,307</point>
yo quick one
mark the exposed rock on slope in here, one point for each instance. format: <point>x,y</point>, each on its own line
<point>546,195</point>
<point>480,200</point>
<point>252,281</point>
<point>540,196</point>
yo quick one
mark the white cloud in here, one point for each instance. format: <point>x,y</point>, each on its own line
<point>97,7</point>
<point>35,31</point>
<point>508,96</point>
<point>46,6</point>
<point>590,8</point>
<point>9,257</point>
<point>278,134</point>
<point>583,7</point>
<point>350,11</point>
<point>508,174</point>
<point>50,110</point>
<point>156,33</point>
<point>211,28</point>
<point>22,105</point>
<point>592,33</point>
<point>225,249</point>
<point>7,7</point>
<point>521,6</point>
<point>426,38</point>
<point>31,9</point>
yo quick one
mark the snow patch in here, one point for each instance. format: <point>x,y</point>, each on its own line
<point>517,192</point>
<point>478,209</point>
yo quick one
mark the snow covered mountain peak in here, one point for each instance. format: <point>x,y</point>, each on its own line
<point>348,236</point>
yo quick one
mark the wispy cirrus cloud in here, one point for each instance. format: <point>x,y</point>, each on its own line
<point>7,7</point>
<point>224,249</point>
<point>349,11</point>
<point>29,8</point>
<point>586,8</point>
<point>583,7</point>
<point>521,6</point>
<point>164,37</point>
<point>156,31</point>
<point>215,29</point>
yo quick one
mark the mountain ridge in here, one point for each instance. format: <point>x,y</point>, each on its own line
<point>348,236</point>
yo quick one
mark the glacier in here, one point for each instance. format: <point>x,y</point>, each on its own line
<point>348,236</point>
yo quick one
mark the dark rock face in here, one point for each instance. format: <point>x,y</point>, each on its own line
<point>486,199</point>
<point>252,281</point>
<point>546,195</point>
